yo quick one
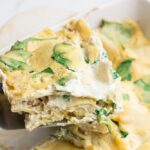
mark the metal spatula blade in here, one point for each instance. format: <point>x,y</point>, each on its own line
<point>8,119</point>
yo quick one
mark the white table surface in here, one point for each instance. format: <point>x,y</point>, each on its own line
<point>9,8</point>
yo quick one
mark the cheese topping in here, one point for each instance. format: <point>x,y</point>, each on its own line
<point>50,62</point>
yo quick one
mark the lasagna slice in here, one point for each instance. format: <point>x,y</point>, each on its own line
<point>59,76</point>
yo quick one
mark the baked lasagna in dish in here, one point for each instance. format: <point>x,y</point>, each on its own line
<point>129,50</point>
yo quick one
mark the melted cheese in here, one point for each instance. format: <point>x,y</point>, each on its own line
<point>135,119</point>
<point>57,145</point>
<point>136,46</point>
<point>93,79</point>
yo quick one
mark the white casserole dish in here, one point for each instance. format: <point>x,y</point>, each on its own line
<point>138,10</point>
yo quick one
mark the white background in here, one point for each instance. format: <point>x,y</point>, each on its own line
<point>9,8</point>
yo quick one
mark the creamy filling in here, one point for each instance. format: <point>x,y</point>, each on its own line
<point>61,110</point>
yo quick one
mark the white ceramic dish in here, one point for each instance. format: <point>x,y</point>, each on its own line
<point>138,10</point>
<point>29,22</point>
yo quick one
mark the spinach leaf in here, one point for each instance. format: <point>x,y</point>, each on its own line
<point>47,70</point>
<point>123,134</point>
<point>86,59</point>
<point>144,85</point>
<point>66,97</point>
<point>12,64</point>
<point>120,33</point>
<point>25,55</point>
<point>58,56</point>
<point>124,69</point>
<point>114,105</point>
<point>21,45</point>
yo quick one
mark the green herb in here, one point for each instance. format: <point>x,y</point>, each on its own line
<point>19,45</point>
<point>47,70</point>
<point>22,45</point>
<point>12,64</point>
<point>123,134</point>
<point>101,112</point>
<point>144,85</point>
<point>124,69</point>
<point>66,97</point>
<point>25,55</point>
<point>120,33</point>
<point>58,56</point>
<point>63,81</point>
<point>86,59</point>
<point>102,116</point>
<point>125,97</point>
<point>114,105</point>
